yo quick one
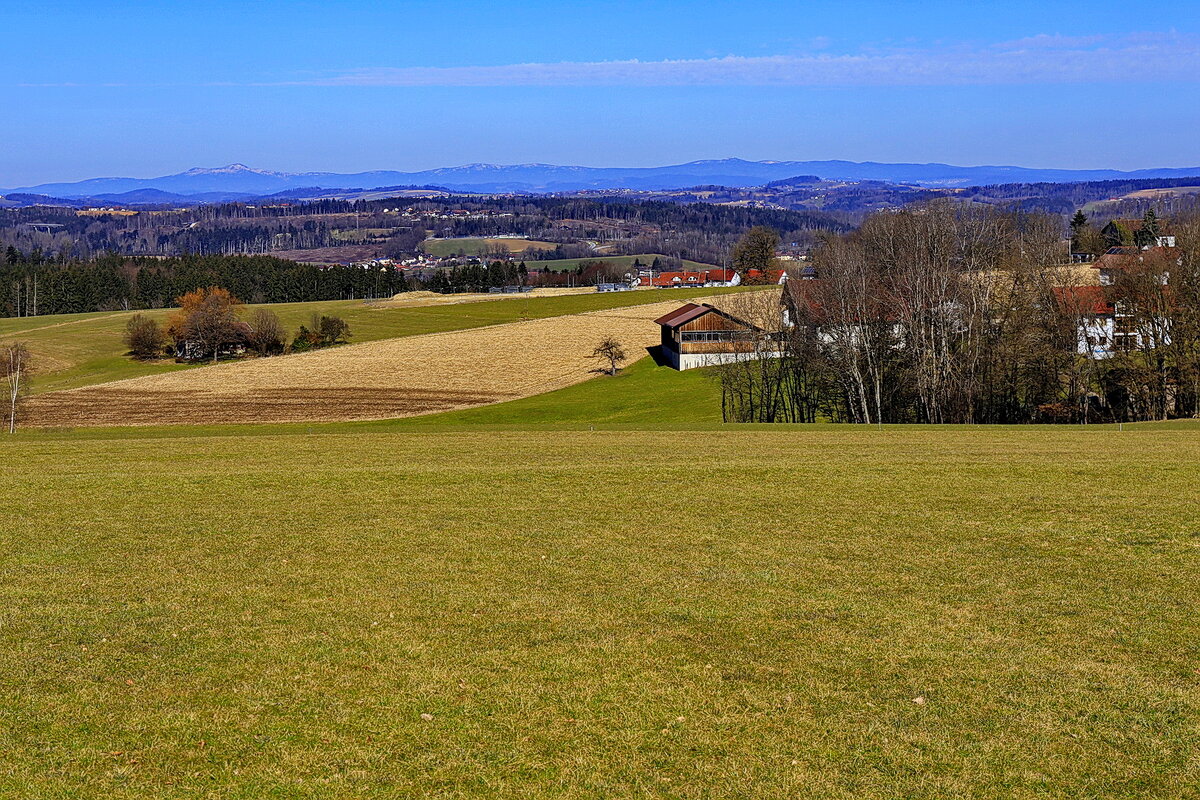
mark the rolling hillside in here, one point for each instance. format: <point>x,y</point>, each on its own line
<point>389,378</point>
<point>74,350</point>
<point>481,246</point>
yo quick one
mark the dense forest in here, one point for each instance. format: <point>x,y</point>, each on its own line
<point>32,284</point>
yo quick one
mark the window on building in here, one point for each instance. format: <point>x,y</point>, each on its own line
<point>715,336</point>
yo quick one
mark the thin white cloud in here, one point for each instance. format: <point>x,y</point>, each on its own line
<point>1138,57</point>
<point>1042,59</point>
<point>1050,41</point>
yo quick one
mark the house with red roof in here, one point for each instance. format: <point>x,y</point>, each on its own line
<point>777,277</point>
<point>685,278</point>
<point>1106,326</point>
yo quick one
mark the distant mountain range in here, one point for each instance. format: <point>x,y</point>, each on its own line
<point>238,181</point>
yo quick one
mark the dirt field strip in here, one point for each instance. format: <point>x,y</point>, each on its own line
<point>374,380</point>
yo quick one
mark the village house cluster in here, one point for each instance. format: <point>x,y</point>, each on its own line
<point>1107,325</point>
<point>703,335</point>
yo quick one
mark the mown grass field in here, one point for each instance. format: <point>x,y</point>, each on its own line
<point>802,611</point>
<point>74,350</point>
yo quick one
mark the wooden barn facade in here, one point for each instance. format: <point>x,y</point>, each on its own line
<point>701,336</point>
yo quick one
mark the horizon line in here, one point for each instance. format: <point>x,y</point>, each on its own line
<point>535,164</point>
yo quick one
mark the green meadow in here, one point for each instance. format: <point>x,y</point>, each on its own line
<point>792,611</point>
<point>642,395</point>
<point>596,592</point>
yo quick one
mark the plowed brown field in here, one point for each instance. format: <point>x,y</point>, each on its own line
<point>374,380</point>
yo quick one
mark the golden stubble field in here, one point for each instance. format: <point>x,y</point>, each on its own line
<point>374,380</point>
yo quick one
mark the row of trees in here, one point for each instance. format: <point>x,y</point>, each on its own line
<point>475,277</point>
<point>955,314</point>
<point>32,284</point>
<point>479,277</point>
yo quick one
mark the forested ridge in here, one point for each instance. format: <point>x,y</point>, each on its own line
<point>56,260</point>
<point>696,231</point>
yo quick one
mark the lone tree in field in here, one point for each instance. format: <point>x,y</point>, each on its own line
<point>207,317</point>
<point>15,356</point>
<point>755,251</point>
<point>144,337</point>
<point>266,332</point>
<point>610,350</point>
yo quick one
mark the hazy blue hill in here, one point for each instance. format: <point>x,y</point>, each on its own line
<point>148,196</point>
<point>240,180</point>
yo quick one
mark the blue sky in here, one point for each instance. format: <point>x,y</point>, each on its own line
<point>148,88</point>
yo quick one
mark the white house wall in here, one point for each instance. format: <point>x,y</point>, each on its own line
<point>695,360</point>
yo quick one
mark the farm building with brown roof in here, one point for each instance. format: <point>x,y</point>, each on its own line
<point>702,335</point>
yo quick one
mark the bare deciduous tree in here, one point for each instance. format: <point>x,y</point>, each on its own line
<point>610,350</point>
<point>16,378</point>
<point>757,385</point>
<point>266,332</point>
<point>1185,329</point>
<point>755,251</point>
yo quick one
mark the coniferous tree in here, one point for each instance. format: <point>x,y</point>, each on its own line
<point>1150,230</point>
<point>1078,222</point>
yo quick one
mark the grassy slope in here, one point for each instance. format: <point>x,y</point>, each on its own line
<point>744,612</point>
<point>641,395</point>
<point>83,349</point>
